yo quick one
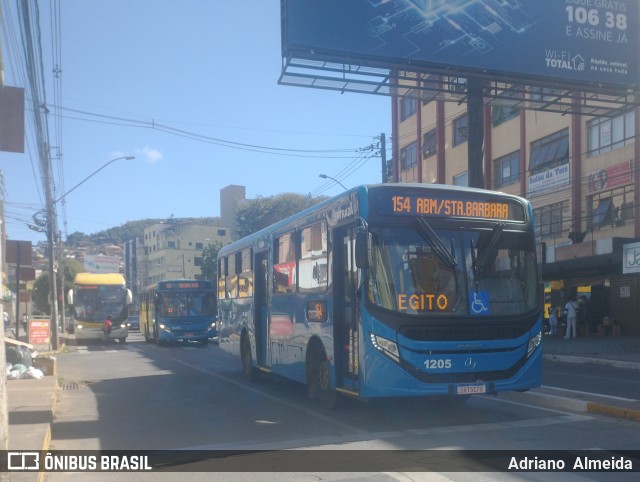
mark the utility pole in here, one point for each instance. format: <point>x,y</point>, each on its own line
<point>475,106</point>
<point>383,156</point>
<point>51,229</point>
<point>4,403</point>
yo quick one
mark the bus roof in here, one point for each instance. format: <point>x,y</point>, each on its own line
<point>99,279</point>
<point>355,191</point>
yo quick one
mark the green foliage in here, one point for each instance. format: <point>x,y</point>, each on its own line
<point>119,234</point>
<point>41,286</point>
<point>209,266</point>
<point>262,212</point>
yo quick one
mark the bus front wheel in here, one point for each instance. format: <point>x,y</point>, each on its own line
<point>319,380</point>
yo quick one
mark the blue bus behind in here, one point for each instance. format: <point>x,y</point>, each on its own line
<point>389,290</point>
<point>179,310</point>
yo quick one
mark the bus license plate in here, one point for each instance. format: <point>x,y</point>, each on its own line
<point>471,388</point>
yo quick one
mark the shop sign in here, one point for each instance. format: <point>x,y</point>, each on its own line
<point>550,179</point>
<point>39,332</point>
<point>610,177</point>
<point>631,258</point>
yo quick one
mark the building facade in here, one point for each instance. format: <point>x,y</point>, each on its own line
<point>579,172</point>
<point>174,250</point>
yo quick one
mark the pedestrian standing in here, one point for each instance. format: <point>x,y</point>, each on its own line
<point>107,328</point>
<point>553,320</point>
<point>570,312</point>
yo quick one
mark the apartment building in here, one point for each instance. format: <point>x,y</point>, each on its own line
<point>578,171</point>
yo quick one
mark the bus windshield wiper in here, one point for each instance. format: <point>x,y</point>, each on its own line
<point>485,249</point>
<point>431,237</point>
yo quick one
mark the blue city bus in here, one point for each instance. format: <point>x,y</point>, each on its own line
<point>389,290</point>
<point>179,310</point>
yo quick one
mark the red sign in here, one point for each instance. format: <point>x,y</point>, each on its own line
<point>39,332</point>
<point>610,177</point>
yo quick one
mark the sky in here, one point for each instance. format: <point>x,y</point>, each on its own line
<point>173,84</point>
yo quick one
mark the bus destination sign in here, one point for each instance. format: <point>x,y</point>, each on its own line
<point>182,285</point>
<point>452,205</point>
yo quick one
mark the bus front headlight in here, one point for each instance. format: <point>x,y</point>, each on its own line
<point>534,343</point>
<point>387,347</point>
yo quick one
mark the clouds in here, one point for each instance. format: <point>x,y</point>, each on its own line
<point>149,155</point>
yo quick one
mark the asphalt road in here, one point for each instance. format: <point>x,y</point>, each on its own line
<point>139,396</point>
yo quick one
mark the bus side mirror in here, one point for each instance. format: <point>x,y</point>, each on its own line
<point>129,297</point>
<point>363,243</point>
<point>70,297</point>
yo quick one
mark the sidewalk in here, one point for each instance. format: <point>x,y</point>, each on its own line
<point>621,352</point>
<point>32,402</point>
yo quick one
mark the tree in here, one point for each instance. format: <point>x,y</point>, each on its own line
<point>262,212</point>
<point>209,266</point>
<point>40,295</point>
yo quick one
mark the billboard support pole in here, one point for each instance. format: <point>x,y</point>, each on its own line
<point>475,108</point>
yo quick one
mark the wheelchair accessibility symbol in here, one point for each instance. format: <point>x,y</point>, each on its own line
<point>479,302</point>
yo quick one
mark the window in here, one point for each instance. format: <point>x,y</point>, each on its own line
<point>171,244</point>
<point>408,107</point>
<point>611,208</point>
<point>409,156</point>
<point>312,266</point>
<point>461,179</point>
<point>507,169</point>
<point>222,232</point>
<point>222,273</point>
<point>461,130</point>
<point>197,260</point>
<point>429,144</point>
<point>603,213</point>
<point>504,109</point>
<point>549,219</point>
<point>545,94</point>
<point>606,134</point>
<point>284,264</point>
<point>245,274</point>
<point>550,151</point>
<point>200,246</point>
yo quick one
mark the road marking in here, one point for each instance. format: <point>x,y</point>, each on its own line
<point>359,438</point>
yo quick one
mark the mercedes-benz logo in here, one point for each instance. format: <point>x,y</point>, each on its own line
<point>470,363</point>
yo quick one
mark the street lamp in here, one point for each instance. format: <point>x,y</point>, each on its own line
<point>128,158</point>
<point>51,223</point>
<point>324,176</point>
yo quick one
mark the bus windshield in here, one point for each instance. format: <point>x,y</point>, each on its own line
<point>175,304</point>
<point>420,270</point>
<point>95,302</point>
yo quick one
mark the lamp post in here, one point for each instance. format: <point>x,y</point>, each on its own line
<point>51,230</point>
<point>324,176</point>
<point>128,158</point>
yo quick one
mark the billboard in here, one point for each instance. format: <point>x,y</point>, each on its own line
<point>578,42</point>
<point>99,263</point>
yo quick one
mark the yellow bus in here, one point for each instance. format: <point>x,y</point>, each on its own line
<point>94,297</point>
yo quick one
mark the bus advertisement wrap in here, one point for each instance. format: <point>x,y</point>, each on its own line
<point>381,292</point>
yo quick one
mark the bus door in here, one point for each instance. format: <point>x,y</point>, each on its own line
<point>345,308</point>
<point>261,303</point>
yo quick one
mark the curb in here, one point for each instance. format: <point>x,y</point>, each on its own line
<point>595,361</point>
<point>566,400</point>
<point>612,411</point>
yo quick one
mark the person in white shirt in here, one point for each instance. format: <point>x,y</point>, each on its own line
<point>570,312</point>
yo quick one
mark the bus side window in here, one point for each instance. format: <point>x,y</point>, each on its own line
<point>284,266</point>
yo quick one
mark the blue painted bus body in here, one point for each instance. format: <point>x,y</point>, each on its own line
<point>371,330</point>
